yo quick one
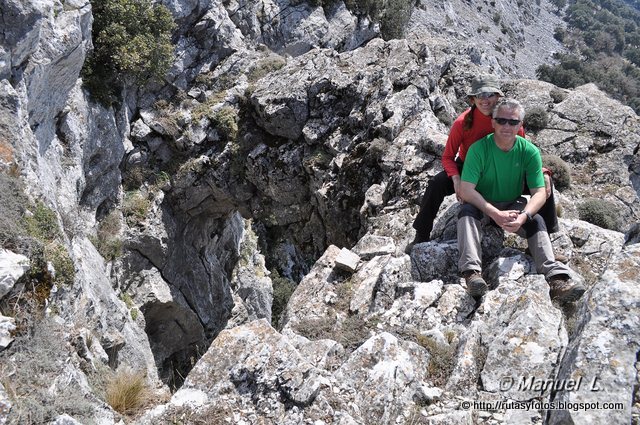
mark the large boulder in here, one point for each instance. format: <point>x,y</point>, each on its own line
<point>602,353</point>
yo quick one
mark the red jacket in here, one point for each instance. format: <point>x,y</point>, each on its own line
<point>459,140</point>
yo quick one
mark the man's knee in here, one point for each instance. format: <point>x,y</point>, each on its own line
<point>468,210</point>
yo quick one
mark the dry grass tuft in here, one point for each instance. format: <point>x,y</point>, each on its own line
<point>127,391</point>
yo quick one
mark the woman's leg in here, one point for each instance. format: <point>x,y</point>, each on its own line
<point>440,186</point>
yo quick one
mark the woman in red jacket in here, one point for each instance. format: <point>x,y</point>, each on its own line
<point>472,125</point>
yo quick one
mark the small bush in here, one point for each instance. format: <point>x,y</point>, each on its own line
<point>316,328</point>
<point>136,207</point>
<point>350,331</point>
<point>442,360</point>
<point>536,119</point>
<point>205,109</point>
<point>282,290</point>
<point>135,176</point>
<point>560,34</point>
<point>127,391</point>
<point>12,204</point>
<point>225,121</point>
<point>265,66</point>
<point>128,301</point>
<point>561,170</point>
<point>558,95</point>
<point>63,266</point>
<point>42,223</point>
<point>32,370</point>
<point>599,212</point>
<point>395,19</point>
<point>354,331</point>
<point>107,240</point>
<point>131,39</point>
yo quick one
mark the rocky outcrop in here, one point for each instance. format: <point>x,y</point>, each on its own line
<point>604,352</point>
<point>506,40</point>
<point>427,352</point>
<point>12,267</point>
<point>294,28</point>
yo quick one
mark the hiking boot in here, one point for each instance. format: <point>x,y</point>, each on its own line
<point>476,286</point>
<point>562,288</point>
<point>418,239</point>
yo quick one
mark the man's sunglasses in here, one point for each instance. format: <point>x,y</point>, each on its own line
<point>505,121</point>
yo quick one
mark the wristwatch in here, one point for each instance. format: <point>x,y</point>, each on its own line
<point>529,216</point>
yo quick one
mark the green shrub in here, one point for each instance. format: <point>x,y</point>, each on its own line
<point>205,109</point>
<point>561,170</point>
<point>107,240</point>
<point>135,207</point>
<point>282,290</point>
<point>65,270</point>
<point>135,176</point>
<point>42,223</point>
<point>12,204</point>
<point>131,39</point>
<point>599,212</point>
<point>559,34</point>
<point>536,119</point>
<point>225,121</point>
<point>265,66</point>
<point>395,18</point>
<point>128,301</point>
<point>558,95</point>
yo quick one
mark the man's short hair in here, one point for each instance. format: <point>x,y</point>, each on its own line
<point>511,105</point>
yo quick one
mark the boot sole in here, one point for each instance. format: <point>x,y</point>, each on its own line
<point>477,288</point>
<point>571,296</point>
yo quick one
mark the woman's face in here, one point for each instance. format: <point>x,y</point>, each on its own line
<point>485,102</point>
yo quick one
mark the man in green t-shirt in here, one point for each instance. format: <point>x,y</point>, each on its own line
<point>495,170</point>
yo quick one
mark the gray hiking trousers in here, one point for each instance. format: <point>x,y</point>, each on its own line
<point>470,221</point>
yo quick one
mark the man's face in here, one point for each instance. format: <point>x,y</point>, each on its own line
<point>506,124</point>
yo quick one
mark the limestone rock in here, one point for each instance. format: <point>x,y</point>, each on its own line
<point>5,405</point>
<point>603,351</point>
<point>7,326</point>
<point>295,28</point>
<point>12,267</point>
<point>250,280</point>
<point>271,369</point>
<point>95,302</point>
<point>365,283</point>
<point>434,260</point>
<point>377,378</point>
<point>347,260</point>
<point>307,301</point>
<point>370,246</point>
<point>523,337</point>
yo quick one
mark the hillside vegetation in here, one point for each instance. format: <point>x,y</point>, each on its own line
<point>605,38</point>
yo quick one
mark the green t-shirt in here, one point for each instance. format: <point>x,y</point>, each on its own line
<point>499,176</point>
